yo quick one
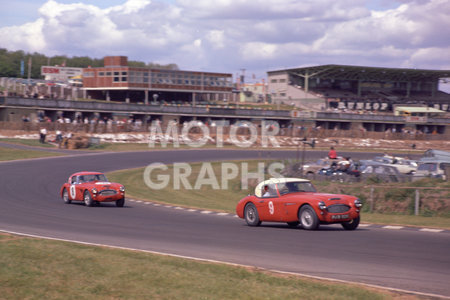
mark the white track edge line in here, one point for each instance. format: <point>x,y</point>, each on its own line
<point>392,227</point>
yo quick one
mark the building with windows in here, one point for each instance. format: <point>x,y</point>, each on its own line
<point>119,82</point>
<point>253,92</point>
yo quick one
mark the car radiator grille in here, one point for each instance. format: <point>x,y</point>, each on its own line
<point>108,192</point>
<point>338,208</point>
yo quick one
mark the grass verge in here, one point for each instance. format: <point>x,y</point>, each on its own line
<point>37,268</point>
<point>108,146</point>
<point>13,154</point>
<point>416,221</point>
<point>130,146</point>
<point>146,147</point>
<point>27,142</point>
<point>226,197</point>
<point>205,197</point>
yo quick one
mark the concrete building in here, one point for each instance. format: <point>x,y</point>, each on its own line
<point>357,87</point>
<point>254,92</point>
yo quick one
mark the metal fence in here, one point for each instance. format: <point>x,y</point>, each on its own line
<point>425,201</point>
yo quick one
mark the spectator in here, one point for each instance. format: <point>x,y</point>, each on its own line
<point>65,141</point>
<point>332,154</point>
<point>345,164</point>
<point>42,134</point>
<point>59,138</point>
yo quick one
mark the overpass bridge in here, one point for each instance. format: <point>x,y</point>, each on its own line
<point>14,108</point>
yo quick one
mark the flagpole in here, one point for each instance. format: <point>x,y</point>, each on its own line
<point>29,69</point>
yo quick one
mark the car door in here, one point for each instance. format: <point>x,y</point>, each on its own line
<point>288,203</point>
<point>75,189</point>
<point>269,207</point>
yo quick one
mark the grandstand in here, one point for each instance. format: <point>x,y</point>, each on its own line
<point>357,87</point>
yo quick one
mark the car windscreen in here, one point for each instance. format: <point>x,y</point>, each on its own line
<point>93,177</point>
<point>295,187</point>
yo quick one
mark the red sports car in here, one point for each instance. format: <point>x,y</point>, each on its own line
<point>295,201</point>
<point>92,188</point>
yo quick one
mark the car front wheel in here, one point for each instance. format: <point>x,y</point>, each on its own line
<point>88,199</point>
<point>251,215</point>
<point>120,202</point>
<point>351,225</point>
<point>308,218</point>
<point>65,197</point>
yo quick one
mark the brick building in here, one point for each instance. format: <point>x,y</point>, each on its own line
<point>119,82</point>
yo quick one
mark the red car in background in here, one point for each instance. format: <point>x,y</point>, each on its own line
<point>296,201</point>
<point>92,188</point>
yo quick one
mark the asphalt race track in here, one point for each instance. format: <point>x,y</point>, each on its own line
<point>406,259</point>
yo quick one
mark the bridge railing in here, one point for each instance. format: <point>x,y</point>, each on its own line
<point>100,106</point>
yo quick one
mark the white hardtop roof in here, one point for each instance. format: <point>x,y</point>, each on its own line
<point>258,189</point>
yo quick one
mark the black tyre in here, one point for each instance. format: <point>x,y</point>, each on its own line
<point>88,199</point>
<point>120,202</point>
<point>65,197</point>
<point>251,215</point>
<point>293,224</point>
<point>308,218</point>
<point>351,225</point>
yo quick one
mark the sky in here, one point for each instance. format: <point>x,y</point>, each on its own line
<point>232,35</point>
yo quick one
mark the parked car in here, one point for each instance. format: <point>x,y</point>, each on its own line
<point>92,188</point>
<point>404,166</point>
<point>322,163</point>
<point>437,154</point>
<point>432,168</point>
<point>381,172</point>
<point>334,173</point>
<point>296,201</point>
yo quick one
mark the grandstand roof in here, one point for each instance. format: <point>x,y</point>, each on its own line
<point>367,73</point>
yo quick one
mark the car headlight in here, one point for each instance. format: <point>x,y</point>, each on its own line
<point>94,191</point>
<point>122,189</point>
<point>322,205</point>
<point>358,203</point>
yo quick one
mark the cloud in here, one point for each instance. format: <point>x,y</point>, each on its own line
<point>27,37</point>
<point>130,7</point>
<point>272,9</point>
<point>259,35</point>
<point>427,57</point>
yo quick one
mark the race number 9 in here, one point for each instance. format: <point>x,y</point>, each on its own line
<point>72,191</point>
<point>271,208</point>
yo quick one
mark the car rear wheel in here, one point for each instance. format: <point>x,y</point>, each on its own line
<point>308,218</point>
<point>120,202</point>
<point>251,215</point>
<point>88,199</point>
<point>65,197</point>
<point>351,225</point>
